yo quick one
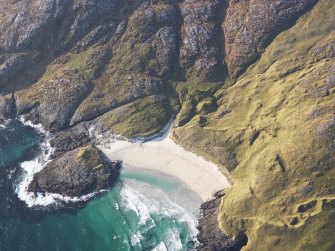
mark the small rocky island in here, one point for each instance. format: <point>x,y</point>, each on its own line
<point>251,83</point>
<point>76,173</point>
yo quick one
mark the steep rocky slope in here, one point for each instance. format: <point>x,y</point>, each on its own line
<point>251,82</point>
<point>93,57</point>
<point>76,173</point>
<point>274,131</point>
<point>250,25</point>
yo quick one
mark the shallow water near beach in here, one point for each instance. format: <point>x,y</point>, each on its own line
<point>143,211</point>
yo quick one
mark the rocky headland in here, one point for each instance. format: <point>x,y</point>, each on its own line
<point>210,236</point>
<point>76,173</point>
<point>251,83</point>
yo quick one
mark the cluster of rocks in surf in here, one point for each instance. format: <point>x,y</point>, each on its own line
<point>78,172</point>
<point>63,62</point>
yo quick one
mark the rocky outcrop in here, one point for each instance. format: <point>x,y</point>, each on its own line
<point>28,25</point>
<point>128,66</point>
<point>278,122</point>
<point>12,65</point>
<point>210,237</point>
<point>35,33</point>
<point>78,172</point>
<point>82,24</point>
<point>201,48</point>
<point>7,107</point>
<point>55,99</point>
<point>93,57</point>
<point>250,25</point>
<point>69,139</point>
<point>126,90</point>
<point>28,33</point>
<point>143,58</point>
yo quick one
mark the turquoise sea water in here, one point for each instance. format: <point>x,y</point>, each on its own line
<point>15,141</point>
<point>139,213</point>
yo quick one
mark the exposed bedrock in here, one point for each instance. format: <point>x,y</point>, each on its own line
<point>53,101</point>
<point>250,26</point>
<point>210,236</point>
<point>128,66</point>
<point>7,107</point>
<point>202,38</point>
<point>69,139</point>
<point>78,172</point>
<point>93,57</point>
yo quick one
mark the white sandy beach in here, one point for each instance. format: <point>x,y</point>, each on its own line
<point>164,155</point>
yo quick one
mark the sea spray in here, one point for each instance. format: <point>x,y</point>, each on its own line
<point>107,223</point>
<point>152,219</point>
<point>4,123</point>
<point>152,207</point>
<point>30,168</point>
<point>34,166</point>
<point>17,142</point>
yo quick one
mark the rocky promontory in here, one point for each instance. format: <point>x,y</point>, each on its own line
<point>210,236</point>
<point>78,172</point>
<point>251,82</point>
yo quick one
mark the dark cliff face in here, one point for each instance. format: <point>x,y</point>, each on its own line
<point>210,237</point>
<point>94,56</point>
<point>251,81</point>
<point>250,26</point>
<point>201,54</point>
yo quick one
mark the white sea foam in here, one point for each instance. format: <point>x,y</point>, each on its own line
<point>160,247</point>
<point>135,239</point>
<point>37,127</point>
<point>132,201</point>
<point>144,203</point>
<point>4,123</point>
<point>34,166</point>
<point>172,240</point>
<point>164,155</point>
<point>154,201</point>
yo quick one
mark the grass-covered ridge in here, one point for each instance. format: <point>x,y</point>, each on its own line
<point>141,118</point>
<point>90,157</point>
<point>274,131</point>
<point>120,59</point>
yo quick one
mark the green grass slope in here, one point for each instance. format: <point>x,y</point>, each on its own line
<point>274,131</point>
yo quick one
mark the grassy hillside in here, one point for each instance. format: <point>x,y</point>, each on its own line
<point>274,130</point>
<point>129,66</point>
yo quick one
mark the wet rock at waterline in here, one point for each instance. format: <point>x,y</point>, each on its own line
<point>7,107</point>
<point>210,236</point>
<point>78,172</point>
